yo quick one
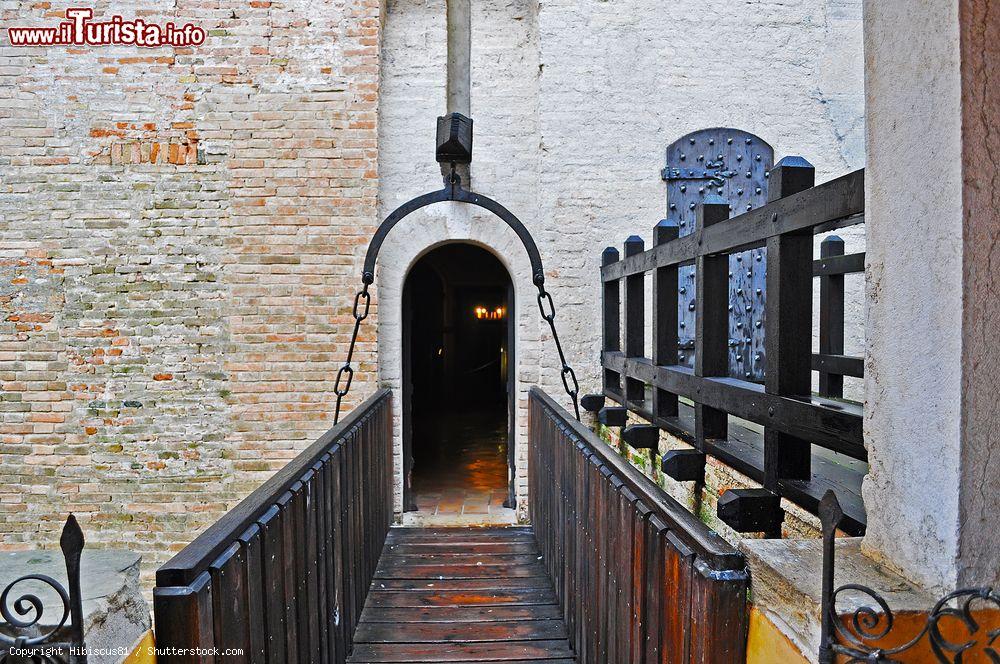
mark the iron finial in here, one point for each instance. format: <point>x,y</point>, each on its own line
<point>71,541</point>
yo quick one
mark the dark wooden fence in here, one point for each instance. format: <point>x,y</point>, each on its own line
<point>830,362</point>
<point>794,420</point>
<point>284,575</point>
<point>641,580</point>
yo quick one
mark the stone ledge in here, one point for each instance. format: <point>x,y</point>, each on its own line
<point>115,614</point>
<point>786,585</point>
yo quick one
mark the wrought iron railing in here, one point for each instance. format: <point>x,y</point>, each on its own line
<point>284,575</point>
<point>952,631</point>
<point>794,420</point>
<point>27,633</point>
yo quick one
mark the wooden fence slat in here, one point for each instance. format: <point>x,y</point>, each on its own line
<point>678,629</point>
<point>635,319</point>
<point>788,327</point>
<point>229,597</point>
<point>253,606</point>
<point>626,548</point>
<point>336,516</point>
<point>712,322</point>
<point>640,581</point>
<point>318,522</point>
<point>328,606</point>
<point>612,552</point>
<point>348,515</point>
<point>611,306</point>
<point>656,531</point>
<point>293,627</point>
<point>719,613</point>
<point>309,583</point>
<point>831,317</point>
<point>665,319</point>
<point>273,557</point>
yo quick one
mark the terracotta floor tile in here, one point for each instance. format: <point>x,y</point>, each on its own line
<point>467,474</point>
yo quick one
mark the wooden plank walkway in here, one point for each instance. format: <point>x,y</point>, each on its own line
<point>461,595</point>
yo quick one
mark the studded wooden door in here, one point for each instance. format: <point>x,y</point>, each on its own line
<point>733,164</point>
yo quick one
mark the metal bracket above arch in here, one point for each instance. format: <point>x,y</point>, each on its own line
<point>453,191</point>
<point>449,127</point>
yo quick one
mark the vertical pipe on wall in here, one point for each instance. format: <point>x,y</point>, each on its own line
<point>459,57</point>
<point>459,83</point>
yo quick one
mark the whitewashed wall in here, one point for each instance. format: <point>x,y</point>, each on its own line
<point>574,102</point>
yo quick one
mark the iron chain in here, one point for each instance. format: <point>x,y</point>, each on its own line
<point>341,388</point>
<point>345,375</point>
<point>568,375</point>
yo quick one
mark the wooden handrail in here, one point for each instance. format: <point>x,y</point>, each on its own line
<point>831,205</point>
<point>639,578</point>
<point>195,558</point>
<point>284,575</point>
<point>719,554</point>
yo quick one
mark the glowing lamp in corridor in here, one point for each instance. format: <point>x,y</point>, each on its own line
<point>482,313</point>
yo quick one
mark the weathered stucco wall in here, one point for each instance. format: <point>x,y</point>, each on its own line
<point>914,267</point>
<point>178,246</point>
<point>931,421</point>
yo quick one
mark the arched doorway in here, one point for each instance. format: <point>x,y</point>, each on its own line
<point>458,385</point>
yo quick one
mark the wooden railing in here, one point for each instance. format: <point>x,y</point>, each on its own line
<point>781,235</point>
<point>640,578</point>
<point>830,362</point>
<point>283,576</point>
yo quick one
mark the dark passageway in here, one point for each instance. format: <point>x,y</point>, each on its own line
<point>456,379</point>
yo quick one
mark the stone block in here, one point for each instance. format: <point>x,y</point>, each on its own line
<point>115,613</point>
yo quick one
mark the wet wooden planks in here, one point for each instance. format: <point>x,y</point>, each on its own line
<point>461,595</point>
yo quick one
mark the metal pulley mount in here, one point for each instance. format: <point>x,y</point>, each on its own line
<point>453,146</point>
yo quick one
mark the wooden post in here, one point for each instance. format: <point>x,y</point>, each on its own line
<point>712,321</point>
<point>831,318</point>
<point>635,320</point>
<point>788,330</point>
<point>665,318</point>
<point>611,305</point>
<point>185,621</point>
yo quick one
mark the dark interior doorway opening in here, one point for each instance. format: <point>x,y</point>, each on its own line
<point>457,383</point>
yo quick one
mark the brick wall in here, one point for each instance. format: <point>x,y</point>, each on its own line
<point>179,247</point>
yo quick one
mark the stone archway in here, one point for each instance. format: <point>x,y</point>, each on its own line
<point>428,229</point>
